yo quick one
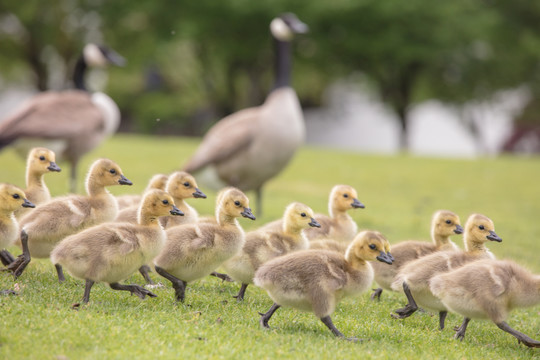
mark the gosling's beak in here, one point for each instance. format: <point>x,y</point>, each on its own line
<point>124,181</point>
<point>357,204</point>
<point>314,223</point>
<point>248,214</point>
<point>493,236</point>
<point>176,211</point>
<point>28,204</point>
<point>385,257</point>
<point>199,194</point>
<point>458,229</point>
<point>54,167</point>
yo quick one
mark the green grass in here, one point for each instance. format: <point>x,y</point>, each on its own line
<point>400,193</point>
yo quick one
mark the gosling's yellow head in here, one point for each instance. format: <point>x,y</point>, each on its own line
<point>299,216</point>
<point>234,203</point>
<point>159,203</point>
<point>446,223</point>
<point>369,246</point>
<point>42,160</point>
<point>343,198</point>
<point>182,185</point>
<point>158,181</point>
<point>106,172</point>
<point>479,229</point>
<point>12,198</point>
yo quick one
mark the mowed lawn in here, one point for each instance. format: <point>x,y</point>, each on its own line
<point>400,193</point>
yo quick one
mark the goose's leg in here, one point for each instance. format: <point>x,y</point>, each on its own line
<point>240,296</point>
<point>133,289</point>
<point>409,309</point>
<point>518,335</point>
<point>23,260</point>
<point>145,272</point>
<point>178,285</point>
<point>376,294</point>
<point>6,257</point>
<point>266,316</point>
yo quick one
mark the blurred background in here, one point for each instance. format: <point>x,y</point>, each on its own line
<point>455,78</point>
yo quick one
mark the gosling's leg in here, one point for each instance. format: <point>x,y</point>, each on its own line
<point>6,257</point>
<point>145,272</point>
<point>442,317</point>
<point>60,272</point>
<point>266,316</point>
<point>240,296</point>
<point>376,294</point>
<point>178,285</point>
<point>133,289</point>
<point>460,331</point>
<point>23,260</point>
<point>520,336</point>
<point>329,324</point>
<point>409,309</point>
<point>221,276</point>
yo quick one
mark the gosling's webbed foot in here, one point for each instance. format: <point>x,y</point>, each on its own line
<point>223,277</point>
<point>266,316</point>
<point>133,289</point>
<point>8,292</point>
<point>404,312</point>
<point>240,296</point>
<point>354,339</point>
<point>6,257</point>
<point>376,295</point>
<point>460,330</point>
<point>17,267</point>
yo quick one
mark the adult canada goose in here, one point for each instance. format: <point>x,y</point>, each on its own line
<point>11,199</point>
<point>48,224</point>
<point>444,224</point>
<point>71,122</point>
<point>193,251</point>
<point>488,289</point>
<point>111,252</point>
<point>158,181</point>
<point>414,277</point>
<point>247,148</point>
<point>40,161</point>
<point>265,244</point>
<point>316,280</point>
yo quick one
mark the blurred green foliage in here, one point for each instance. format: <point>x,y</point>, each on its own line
<point>192,62</point>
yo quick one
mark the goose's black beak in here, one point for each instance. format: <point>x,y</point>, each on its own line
<point>28,204</point>
<point>53,167</point>
<point>199,194</point>
<point>248,214</point>
<point>357,204</point>
<point>458,229</point>
<point>113,57</point>
<point>385,257</point>
<point>314,223</point>
<point>493,236</point>
<point>124,181</point>
<point>176,211</point>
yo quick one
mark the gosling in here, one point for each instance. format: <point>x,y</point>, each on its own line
<point>488,289</point>
<point>414,277</point>
<point>111,252</point>
<point>193,251</point>
<point>47,225</point>
<point>443,225</point>
<point>265,244</point>
<point>316,280</point>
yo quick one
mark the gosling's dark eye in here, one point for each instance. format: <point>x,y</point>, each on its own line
<point>112,171</point>
<point>448,221</point>
<point>372,246</point>
<point>186,184</point>
<point>237,203</point>
<point>345,195</point>
<point>42,158</point>
<point>166,202</point>
<point>303,214</point>
<point>16,196</point>
<point>481,227</point>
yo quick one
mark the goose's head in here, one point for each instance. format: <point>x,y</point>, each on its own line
<point>285,26</point>
<point>299,216</point>
<point>100,56</point>
<point>446,223</point>
<point>343,198</point>
<point>105,172</point>
<point>158,181</point>
<point>182,185</point>
<point>12,198</point>
<point>159,203</point>
<point>42,160</point>
<point>233,203</point>
<point>370,246</point>
<point>480,229</point>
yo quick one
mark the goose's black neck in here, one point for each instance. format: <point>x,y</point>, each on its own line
<point>283,63</point>
<point>78,74</point>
